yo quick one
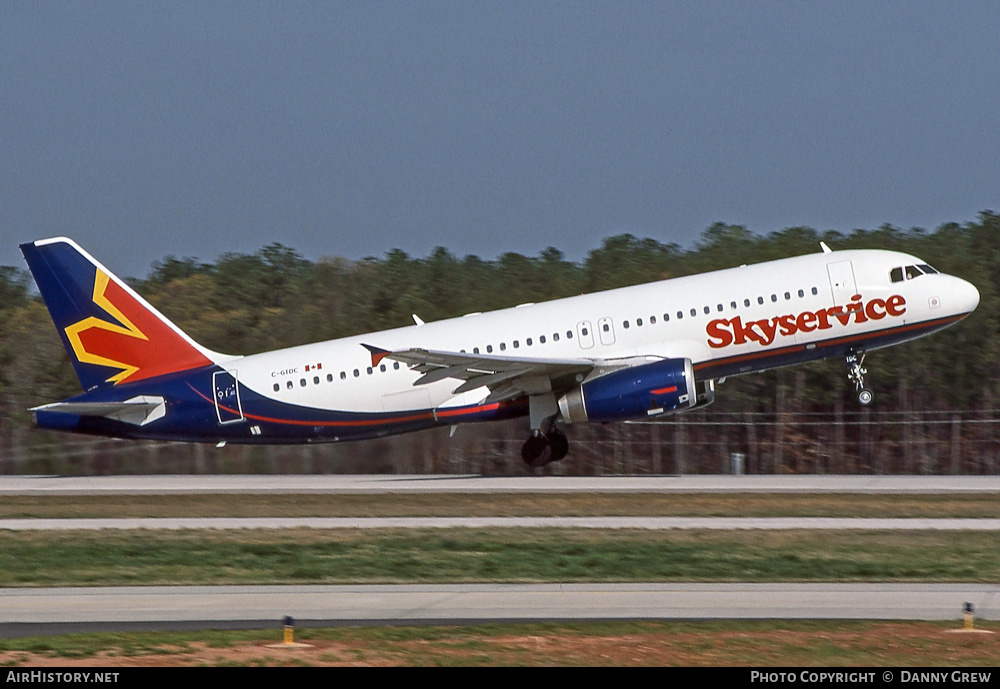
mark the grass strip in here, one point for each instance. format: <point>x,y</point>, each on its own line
<point>304,556</point>
<point>757,643</point>
<point>979,505</point>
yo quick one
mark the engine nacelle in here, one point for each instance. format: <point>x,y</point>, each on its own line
<point>635,392</point>
<point>706,395</point>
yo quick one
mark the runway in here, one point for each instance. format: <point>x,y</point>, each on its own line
<point>33,610</point>
<point>381,484</point>
<point>646,523</point>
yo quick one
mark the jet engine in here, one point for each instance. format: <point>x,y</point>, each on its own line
<point>638,391</point>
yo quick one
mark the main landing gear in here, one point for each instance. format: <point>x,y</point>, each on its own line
<point>544,447</point>
<point>856,375</point>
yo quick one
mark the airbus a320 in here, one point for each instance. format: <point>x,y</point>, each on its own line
<point>629,353</point>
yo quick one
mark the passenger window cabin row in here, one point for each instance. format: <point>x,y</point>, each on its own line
<point>584,332</point>
<point>719,308</point>
<point>516,344</point>
<point>329,377</point>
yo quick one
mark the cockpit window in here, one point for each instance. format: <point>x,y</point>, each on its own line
<point>910,272</point>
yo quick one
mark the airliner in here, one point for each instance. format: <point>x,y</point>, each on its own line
<point>630,353</point>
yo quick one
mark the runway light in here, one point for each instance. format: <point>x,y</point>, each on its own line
<point>968,609</point>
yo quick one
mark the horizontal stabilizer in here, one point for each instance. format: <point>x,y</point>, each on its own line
<point>137,411</point>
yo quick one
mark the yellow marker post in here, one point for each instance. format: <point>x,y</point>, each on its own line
<point>288,641</point>
<point>968,610</point>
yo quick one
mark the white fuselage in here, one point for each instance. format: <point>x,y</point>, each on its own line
<point>726,322</point>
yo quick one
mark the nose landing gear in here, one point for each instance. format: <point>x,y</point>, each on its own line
<point>856,375</point>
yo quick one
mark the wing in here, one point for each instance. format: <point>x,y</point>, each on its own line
<point>505,377</point>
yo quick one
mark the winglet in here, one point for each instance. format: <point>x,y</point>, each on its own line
<point>826,249</point>
<point>377,354</point>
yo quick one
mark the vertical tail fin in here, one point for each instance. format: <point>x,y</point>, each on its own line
<point>112,335</point>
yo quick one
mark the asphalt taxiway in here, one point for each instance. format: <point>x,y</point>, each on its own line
<point>45,610</point>
<point>392,483</point>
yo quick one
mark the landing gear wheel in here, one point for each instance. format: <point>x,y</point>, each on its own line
<point>856,375</point>
<point>559,444</point>
<point>537,450</point>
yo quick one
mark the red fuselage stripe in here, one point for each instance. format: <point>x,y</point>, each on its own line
<point>420,416</point>
<point>474,410</point>
<point>430,415</point>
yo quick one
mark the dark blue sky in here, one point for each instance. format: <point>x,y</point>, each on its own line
<point>143,129</point>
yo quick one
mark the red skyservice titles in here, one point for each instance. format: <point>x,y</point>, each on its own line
<point>723,332</point>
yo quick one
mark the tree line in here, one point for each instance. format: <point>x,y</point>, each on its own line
<point>937,397</point>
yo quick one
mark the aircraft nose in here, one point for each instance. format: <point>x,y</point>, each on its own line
<point>966,296</point>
